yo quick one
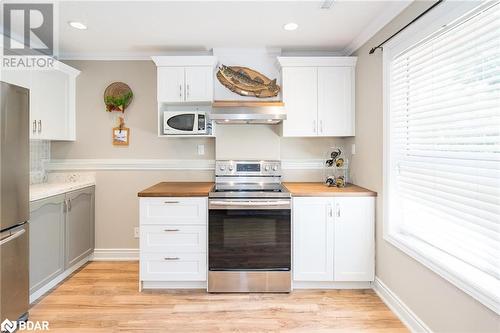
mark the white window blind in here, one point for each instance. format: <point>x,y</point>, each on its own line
<point>444,148</point>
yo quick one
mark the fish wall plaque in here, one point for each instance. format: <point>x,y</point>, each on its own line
<point>247,82</point>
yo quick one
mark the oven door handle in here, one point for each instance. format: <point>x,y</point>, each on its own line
<point>232,204</point>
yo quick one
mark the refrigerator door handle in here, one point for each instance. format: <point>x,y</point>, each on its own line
<point>12,237</point>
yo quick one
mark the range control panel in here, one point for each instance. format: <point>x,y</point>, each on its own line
<point>247,168</point>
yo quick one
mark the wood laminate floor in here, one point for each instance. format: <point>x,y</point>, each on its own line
<point>104,297</point>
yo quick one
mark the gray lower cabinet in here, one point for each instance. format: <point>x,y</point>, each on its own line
<point>61,235</point>
<point>79,225</point>
<point>46,240</point>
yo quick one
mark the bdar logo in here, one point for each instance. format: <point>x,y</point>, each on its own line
<point>8,326</point>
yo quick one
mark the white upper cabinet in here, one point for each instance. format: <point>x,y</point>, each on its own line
<point>333,239</point>
<point>318,93</point>
<point>336,101</point>
<point>313,229</point>
<point>300,98</point>
<point>52,100</point>
<point>170,84</point>
<point>186,79</point>
<point>199,84</point>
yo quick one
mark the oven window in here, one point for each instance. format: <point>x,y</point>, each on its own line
<point>249,240</point>
<point>182,122</point>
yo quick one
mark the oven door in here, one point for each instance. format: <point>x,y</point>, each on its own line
<point>249,235</point>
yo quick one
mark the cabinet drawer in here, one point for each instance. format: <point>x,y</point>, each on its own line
<point>173,211</point>
<point>174,238</point>
<point>174,267</point>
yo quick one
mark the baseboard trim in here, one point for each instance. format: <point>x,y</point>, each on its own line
<point>400,309</point>
<point>46,288</point>
<point>330,285</point>
<point>115,255</point>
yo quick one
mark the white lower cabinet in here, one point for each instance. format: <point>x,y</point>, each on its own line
<point>312,239</point>
<point>174,266</point>
<point>173,241</point>
<point>333,239</point>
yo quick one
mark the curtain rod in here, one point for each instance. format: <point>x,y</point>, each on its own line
<point>379,46</point>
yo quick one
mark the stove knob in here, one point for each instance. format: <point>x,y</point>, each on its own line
<point>275,168</point>
<point>230,168</point>
<point>266,168</point>
<point>222,168</point>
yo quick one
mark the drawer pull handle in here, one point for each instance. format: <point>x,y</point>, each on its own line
<point>167,230</point>
<point>171,202</point>
<point>171,258</point>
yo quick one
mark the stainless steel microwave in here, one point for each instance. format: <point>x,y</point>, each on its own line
<point>185,122</point>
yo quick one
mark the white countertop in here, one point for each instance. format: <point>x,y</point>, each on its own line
<point>59,184</point>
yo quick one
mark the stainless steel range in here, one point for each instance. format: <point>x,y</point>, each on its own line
<point>249,245</point>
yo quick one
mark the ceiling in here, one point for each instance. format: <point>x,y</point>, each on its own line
<point>139,29</point>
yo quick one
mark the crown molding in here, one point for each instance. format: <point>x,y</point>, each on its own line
<point>393,10</point>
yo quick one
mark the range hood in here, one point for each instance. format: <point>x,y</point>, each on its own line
<point>248,112</point>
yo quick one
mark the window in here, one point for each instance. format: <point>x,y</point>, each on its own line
<point>443,151</point>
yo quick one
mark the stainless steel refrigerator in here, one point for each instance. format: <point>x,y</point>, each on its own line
<point>14,202</point>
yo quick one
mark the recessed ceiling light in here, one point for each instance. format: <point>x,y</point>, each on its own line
<point>290,26</point>
<point>77,25</point>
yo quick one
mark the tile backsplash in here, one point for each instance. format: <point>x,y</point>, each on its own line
<point>39,154</point>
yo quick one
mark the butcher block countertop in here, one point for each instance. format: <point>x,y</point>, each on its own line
<point>321,190</point>
<point>178,189</point>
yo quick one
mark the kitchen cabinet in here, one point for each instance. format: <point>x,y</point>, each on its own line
<point>52,100</point>
<point>318,93</point>
<point>199,84</point>
<point>173,241</point>
<point>185,79</point>
<point>313,235</point>
<point>334,239</point>
<point>354,245</point>
<point>170,84</point>
<point>61,237</point>
<point>185,84</point>
<point>79,225</point>
<point>46,240</point>
<point>300,97</point>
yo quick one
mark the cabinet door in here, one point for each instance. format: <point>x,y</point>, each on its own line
<point>300,94</point>
<point>199,84</point>
<point>50,104</point>
<point>336,101</point>
<point>46,241</point>
<point>170,84</point>
<point>79,225</point>
<point>354,239</point>
<point>312,239</point>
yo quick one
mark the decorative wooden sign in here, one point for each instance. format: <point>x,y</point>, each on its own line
<point>247,82</point>
<point>121,134</point>
<point>118,97</point>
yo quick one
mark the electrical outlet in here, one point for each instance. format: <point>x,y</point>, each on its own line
<point>136,232</point>
<point>201,149</point>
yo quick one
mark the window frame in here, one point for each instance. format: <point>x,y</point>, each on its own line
<point>433,23</point>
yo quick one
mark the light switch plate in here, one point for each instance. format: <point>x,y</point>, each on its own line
<point>353,149</point>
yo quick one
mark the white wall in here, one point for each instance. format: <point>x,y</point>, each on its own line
<point>442,306</point>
